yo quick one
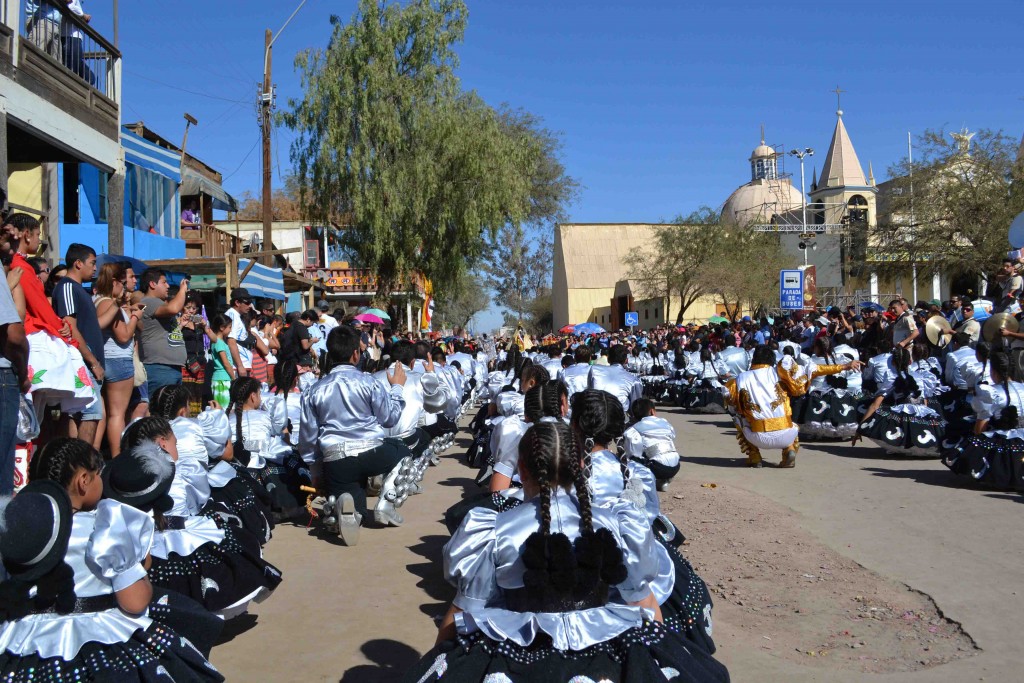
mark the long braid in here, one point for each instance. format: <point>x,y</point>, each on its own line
<point>543,474</point>
<point>582,491</point>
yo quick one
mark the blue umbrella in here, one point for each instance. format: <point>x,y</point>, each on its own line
<point>871,306</point>
<point>588,328</point>
<point>137,265</point>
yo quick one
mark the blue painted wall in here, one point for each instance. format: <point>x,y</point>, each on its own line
<point>137,244</point>
<point>92,228</point>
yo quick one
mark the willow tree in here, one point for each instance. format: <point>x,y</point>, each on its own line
<point>389,144</point>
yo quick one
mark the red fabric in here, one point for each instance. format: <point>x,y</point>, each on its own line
<point>39,314</point>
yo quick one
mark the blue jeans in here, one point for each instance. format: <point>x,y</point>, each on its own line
<point>9,402</point>
<point>159,375</point>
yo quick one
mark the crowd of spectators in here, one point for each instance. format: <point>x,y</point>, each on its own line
<point>88,343</point>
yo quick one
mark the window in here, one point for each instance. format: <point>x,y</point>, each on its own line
<point>101,210</point>
<point>857,209</point>
<point>656,314</point>
<point>647,314</point>
<point>312,254</point>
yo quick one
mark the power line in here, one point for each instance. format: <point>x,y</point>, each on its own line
<point>247,154</point>
<point>185,90</point>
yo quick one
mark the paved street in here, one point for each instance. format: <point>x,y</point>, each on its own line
<point>365,613</point>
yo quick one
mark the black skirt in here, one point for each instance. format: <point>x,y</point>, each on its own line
<point>155,655</point>
<point>218,576</point>
<point>283,482</point>
<point>701,399</point>
<point>902,433</point>
<point>186,617</point>
<point>826,414</point>
<point>687,611</point>
<point>640,655</point>
<point>992,460</point>
<point>237,503</point>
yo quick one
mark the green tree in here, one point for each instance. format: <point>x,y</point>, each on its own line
<point>460,299</point>
<point>386,138</point>
<point>744,270</point>
<point>966,191</point>
<point>517,269</point>
<point>673,265</point>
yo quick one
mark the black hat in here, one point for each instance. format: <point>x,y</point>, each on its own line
<point>140,478</point>
<point>36,527</point>
<point>240,293</point>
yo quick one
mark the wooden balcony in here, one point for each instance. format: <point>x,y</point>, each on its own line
<point>89,93</point>
<point>358,281</point>
<point>209,242</point>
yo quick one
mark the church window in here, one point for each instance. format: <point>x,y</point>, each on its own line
<point>857,209</point>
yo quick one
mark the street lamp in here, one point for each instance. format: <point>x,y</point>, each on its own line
<point>807,152</point>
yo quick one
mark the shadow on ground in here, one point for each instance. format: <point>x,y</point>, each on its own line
<point>236,627</point>
<point>845,450</point>
<point>943,477</point>
<point>391,660</point>
<point>713,461</point>
<point>431,581</point>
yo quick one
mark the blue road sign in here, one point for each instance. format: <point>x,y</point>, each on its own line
<point>632,319</point>
<point>791,289</point>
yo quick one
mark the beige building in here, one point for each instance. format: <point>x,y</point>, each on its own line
<point>590,283</point>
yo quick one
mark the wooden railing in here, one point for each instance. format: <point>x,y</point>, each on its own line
<point>209,242</point>
<point>91,60</point>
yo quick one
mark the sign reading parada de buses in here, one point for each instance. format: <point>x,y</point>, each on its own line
<point>791,290</point>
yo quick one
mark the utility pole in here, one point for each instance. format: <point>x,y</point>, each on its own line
<point>266,111</point>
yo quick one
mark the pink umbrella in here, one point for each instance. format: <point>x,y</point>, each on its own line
<point>369,318</point>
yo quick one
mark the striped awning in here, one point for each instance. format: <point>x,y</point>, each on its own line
<point>262,281</point>
<point>141,152</point>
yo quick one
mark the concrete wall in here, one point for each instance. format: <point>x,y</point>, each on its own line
<point>285,235</point>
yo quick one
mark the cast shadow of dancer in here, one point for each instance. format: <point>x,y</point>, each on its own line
<point>391,658</point>
<point>431,580</point>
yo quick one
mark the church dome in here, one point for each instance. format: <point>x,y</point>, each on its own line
<point>760,200</point>
<point>762,151</point>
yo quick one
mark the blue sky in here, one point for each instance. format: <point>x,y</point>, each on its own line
<point>659,103</point>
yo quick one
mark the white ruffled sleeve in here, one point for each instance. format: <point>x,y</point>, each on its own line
<point>216,431</point>
<point>469,560</point>
<point>507,436</point>
<point>510,403</point>
<point>988,401</point>
<point>639,549</point>
<point>278,411</point>
<point>120,543</point>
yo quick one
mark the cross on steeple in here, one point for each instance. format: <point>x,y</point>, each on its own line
<point>839,106</point>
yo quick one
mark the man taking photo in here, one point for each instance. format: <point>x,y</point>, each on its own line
<point>162,345</point>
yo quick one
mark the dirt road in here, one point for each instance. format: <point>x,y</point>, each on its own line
<point>850,566</point>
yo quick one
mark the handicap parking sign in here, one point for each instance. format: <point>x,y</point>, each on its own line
<point>632,319</point>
